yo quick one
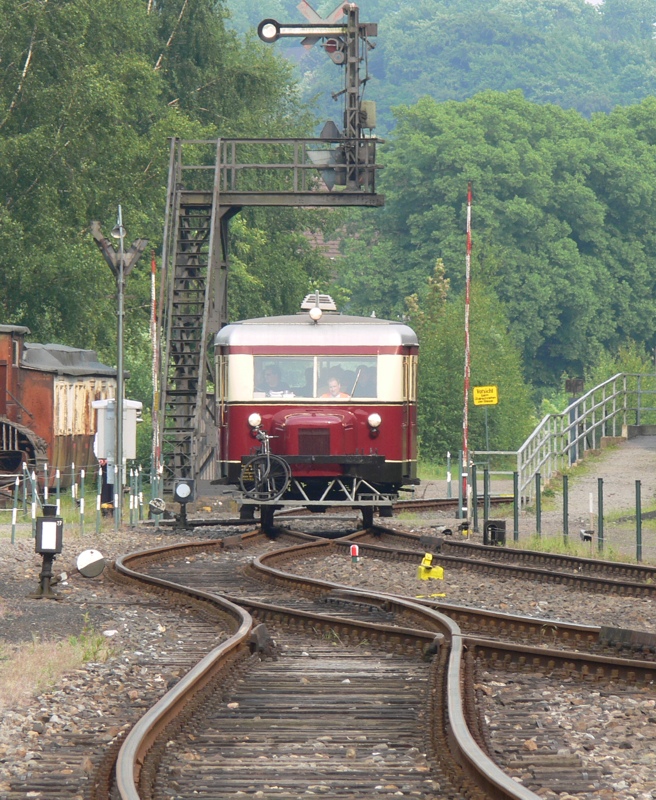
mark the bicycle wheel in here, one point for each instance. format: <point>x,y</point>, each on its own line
<point>265,477</point>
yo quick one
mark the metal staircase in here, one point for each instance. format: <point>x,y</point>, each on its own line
<point>191,268</point>
<point>210,182</point>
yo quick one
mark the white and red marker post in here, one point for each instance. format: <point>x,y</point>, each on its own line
<point>465,412</point>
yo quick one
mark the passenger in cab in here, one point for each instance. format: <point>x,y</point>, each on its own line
<point>334,390</point>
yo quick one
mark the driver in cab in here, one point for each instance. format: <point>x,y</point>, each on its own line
<point>273,385</point>
<point>335,390</point>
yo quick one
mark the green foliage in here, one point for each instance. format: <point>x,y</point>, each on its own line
<point>564,222</point>
<point>630,358</point>
<point>273,264</point>
<point>90,92</point>
<point>555,401</point>
<point>568,52</point>
<point>495,360</point>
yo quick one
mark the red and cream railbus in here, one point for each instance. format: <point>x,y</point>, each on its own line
<point>317,409</point>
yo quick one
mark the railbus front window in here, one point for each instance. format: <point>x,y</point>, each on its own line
<point>314,377</point>
<point>283,377</point>
<point>356,376</point>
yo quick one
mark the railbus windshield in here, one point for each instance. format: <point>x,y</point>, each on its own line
<point>325,377</point>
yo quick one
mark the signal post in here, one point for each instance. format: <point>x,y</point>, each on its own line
<point>335,170</point>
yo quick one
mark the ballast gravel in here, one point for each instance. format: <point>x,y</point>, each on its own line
<point>67,728</point>
<point>91,701</point>
<point>469,588</point>
<point>606,725</point>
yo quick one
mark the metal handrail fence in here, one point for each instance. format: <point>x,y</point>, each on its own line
<point>563,439</point>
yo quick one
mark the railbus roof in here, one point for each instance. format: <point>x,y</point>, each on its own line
<point>338,330</point>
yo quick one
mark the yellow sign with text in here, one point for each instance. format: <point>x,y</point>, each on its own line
<point>485,395</point>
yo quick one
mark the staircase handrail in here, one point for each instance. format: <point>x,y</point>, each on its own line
<point>562,439</point>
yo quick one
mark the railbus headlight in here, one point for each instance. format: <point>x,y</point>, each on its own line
<point>255,420</point>
<point>374,420</point>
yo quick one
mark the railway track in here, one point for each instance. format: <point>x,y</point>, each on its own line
<point>430,504</point>
<point>423,504</point>
<point>441,503</point>
<point>342,632</point>
<point>633,580</point>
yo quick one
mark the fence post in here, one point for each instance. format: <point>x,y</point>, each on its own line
<point>35,500</point>
<point>474,498</point>
<point>82,502</point>
<point>448,474</point>
<point>516,506</point>
<point>14,511</point>
<point>118,497</point>
<point>486,496</point>
<point>638,502</point>
<point>538,504</point>
<point>24,489</point>
<point>98,497</point>
<point>600,514</point>
<point>565,508</point>
<point>133,496</point>
<point>460,485</point>
<point>140,493</point>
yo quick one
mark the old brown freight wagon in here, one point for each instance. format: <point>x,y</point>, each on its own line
<point>46,416</point>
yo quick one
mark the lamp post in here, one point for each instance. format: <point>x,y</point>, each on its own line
<point>118,232</point>
<point>121,264</point>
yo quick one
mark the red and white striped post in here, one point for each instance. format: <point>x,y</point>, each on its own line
<point>156,453</point>
<point>465,412</point>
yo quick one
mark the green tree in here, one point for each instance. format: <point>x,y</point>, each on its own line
<point>568,52</point>
<point>90,91</point>
<point>495,360</point>
<point>563,221</point>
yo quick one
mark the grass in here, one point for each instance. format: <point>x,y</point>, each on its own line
<point>430,471</point>
<point>91,645</point>
<point>572,547</point>
<point>410,517</point>
<point>34,667</point>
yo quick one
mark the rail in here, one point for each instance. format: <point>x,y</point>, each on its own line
<point>562,440</point>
